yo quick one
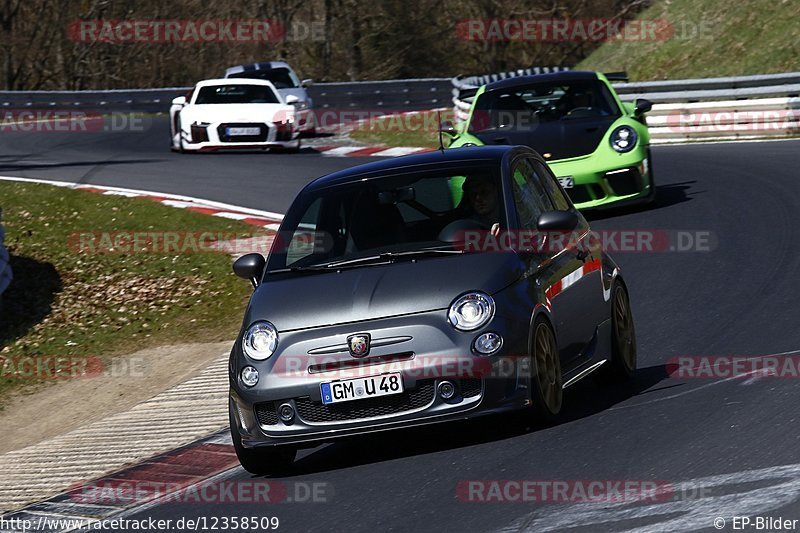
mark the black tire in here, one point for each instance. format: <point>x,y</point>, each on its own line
<point>547,382</point>
<point>294,150</point>
<point>622,366</point>
<point>264,461</point>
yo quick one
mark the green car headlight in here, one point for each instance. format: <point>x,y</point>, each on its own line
<point>623,139</point>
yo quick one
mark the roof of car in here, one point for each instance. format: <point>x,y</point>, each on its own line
<point>234,81</point>
<point>423,161</point>
<point>521,81</point>
<point>261,65</point>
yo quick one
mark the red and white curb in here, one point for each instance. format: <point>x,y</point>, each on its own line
<point>370,151</point>
<point>59,464</point>
<point>167,475</point>
<point>255,217</point>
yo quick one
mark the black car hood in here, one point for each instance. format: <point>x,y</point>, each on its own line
<point>370,292</point>
<point>561,138</point>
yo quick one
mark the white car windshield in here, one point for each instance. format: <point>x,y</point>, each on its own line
<point>236,94</point>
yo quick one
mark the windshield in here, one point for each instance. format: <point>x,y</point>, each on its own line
<point>281,78</point>
<point>391,215</point>
<point>525,107</point>
<point>236,94</point>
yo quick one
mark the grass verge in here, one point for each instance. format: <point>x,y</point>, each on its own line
<point>403,129</point>
<point>67,301</point>
<point>710,38</point>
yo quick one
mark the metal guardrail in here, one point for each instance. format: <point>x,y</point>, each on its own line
<point>5,268</point>
<point>699,109</point>
<point>773,93</point>
<point>390,95</point>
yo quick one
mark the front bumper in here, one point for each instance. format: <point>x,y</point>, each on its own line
<point>213,136</point>
<point>601,181</point>
<point>431,353</point>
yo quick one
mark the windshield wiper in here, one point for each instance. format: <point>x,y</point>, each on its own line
<point>388,257</point>
<point>310,268</point>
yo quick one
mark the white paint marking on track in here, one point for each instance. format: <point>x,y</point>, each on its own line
<point>397,151</point>
<point>695,505</point>
<point>343,150</point>
<point>199,201</point>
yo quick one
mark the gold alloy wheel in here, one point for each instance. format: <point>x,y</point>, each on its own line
<point>548,368</point>
<point>624,329</point>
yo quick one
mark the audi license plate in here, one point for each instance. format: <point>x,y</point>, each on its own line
<point>567,182</point>
<point>361,388</point>
<point>242,132</point>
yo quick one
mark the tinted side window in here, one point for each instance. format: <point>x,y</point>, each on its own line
<point>530,199</point>
<point>553,189</point>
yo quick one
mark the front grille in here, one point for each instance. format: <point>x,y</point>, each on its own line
<point>470,387</point>
<point>224,137</point>
<point>266,413</point>
<point>419,397</point>
<point>579,194</point>
<point>628,182</point>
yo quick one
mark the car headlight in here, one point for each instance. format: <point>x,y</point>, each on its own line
<point>471,311</point>
<point>300,105</point>
<point>260,340</point>
<point>623,139</point>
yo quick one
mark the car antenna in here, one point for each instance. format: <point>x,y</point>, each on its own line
<point>441,142</point>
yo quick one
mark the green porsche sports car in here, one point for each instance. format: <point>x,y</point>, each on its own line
<point>597,145</point>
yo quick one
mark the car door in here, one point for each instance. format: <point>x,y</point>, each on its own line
<point>588,250</point>
<point>559,268</point>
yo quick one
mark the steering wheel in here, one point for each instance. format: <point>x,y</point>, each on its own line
<point>580,112</point>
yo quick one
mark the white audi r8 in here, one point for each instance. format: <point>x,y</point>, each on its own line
<point>233,114</point>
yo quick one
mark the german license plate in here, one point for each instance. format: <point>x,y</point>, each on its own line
<point>361,388</point>
<point>242,132</point>
<point>567,182</point>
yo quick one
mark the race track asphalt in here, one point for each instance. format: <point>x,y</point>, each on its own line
<point>727,447</point>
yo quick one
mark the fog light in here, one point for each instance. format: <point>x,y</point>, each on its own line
<point>488,343</point>
<point>249,376</point>
<point>286,413</point>
<point>447,390</point>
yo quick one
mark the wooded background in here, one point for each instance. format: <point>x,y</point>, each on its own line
<point>351,40</point>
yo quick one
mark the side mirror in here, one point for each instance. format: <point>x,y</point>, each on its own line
<point>292,99</point>
<point>250,267</point>
<point>447,128</point>
<point>642,106</point>
<point>307,83</point>
<point>557,221</point>
<point>181,100</point>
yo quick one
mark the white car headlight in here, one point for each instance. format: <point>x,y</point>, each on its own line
<point>300,105</point>
<point>260,340</point>
<point>471,311</point>
<point>623,139</point>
